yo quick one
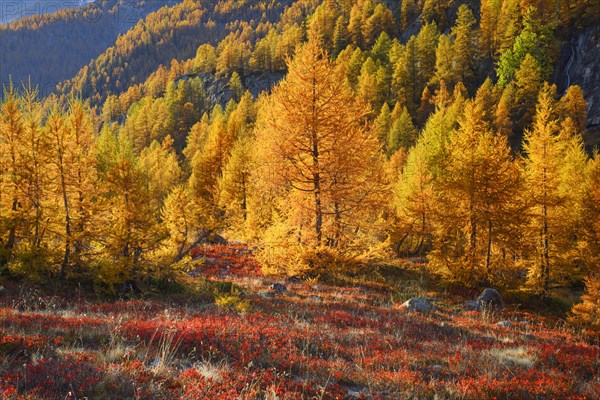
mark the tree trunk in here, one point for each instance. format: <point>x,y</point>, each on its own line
<point>65,262</point>
<point>316,170</point>
<point>244,199</point>
<point>337,225</point>
<point>545,253</point>
<point>488,255</point>
<point>473,245</point>
<point>10,243</point>
<point>545,257</point>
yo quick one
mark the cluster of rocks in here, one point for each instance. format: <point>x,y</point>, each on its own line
<point>277,289</point>
<point>274,290</point>
<point>489,299</point>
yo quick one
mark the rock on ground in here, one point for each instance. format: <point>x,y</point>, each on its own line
<point>472,305</point>
<point>417,305</point>
<point>490,298</point>
<point>278,287</point>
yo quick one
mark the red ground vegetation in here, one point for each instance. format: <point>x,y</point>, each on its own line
<point>312,342</point>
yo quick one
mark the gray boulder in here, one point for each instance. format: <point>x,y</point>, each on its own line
<point>490,299</point>
<point>278,287</point>
<point>417,305</point>
<point>472,305</point>
<point>506,324</point>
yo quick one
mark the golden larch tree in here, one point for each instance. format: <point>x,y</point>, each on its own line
<point>475,198</point>
<point>554,160</point>
<point>312,133</point>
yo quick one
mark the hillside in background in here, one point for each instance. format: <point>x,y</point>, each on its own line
<point>172,33</point>
<point>48,49</point>
<point>12,10</point>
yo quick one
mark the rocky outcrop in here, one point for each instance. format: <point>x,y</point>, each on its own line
<point>218,91</point>
<point>579,65</point>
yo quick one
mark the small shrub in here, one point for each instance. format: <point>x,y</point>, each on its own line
<point>587,313</point>
<point>233,301</point>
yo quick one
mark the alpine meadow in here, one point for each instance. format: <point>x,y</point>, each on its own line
<point>299,199</point>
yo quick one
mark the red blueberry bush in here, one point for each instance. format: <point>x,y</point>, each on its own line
<point>349,344</point>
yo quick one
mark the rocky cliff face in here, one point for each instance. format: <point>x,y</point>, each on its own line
<point>218,90</point>
<point>580,65</point>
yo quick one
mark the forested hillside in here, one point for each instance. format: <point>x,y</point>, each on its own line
<point>173,33</point>
<point>425,128</point>
<point>53,46</point>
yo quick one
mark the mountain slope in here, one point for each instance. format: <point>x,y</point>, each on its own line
<point>19,9</point>
<point>171,33</point>
<point>47,49</point>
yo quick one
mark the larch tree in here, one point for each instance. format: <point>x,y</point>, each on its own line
<point>312,130</point>
<point>504,110</point>
<point>380,20</point>
<point>235,185</point>
<point>367,81</point>
<point>528,83</point>
<point>35,184</point>
<point>488,26</point>
<point>414,201</point>
<point>323,22</point>
<point>58,136</point>
<point>196,138</point>
<point>426,44</point>
<point>414,189</point>
<point>161,167</point>
<point>573,105</point>
<point>381,49</point>
<point>553,156</point>
<point>126,229</point>
<point>12,127</point>
<point>464,47</point>
<point>534,40</point>
<point>402,133</point>
<point>487,95</point>
<point>355,25</point>
<point>509,23</point>
<point>178,221</point>
<point>587,312</point>
<point>383,124</point>
<point>435,10</point>
<point>207,168</point>
<point>81,179</point>
<point>475,199</point>
<point>405,78</point>
<point>590,210</point>
<point>444,63</point>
